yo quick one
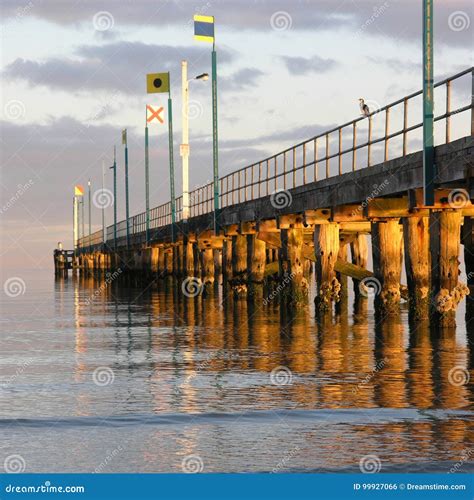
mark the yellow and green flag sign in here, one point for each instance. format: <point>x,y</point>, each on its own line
<point>204,28</point>
<point>157,83</point>
<point>78,190</point>
<point>124,136</point>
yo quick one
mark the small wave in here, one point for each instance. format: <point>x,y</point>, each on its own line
<point>325,416</point>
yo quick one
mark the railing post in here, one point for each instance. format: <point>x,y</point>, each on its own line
<point>387,118</point>
<point>284,170</point>
<point>448,110</point>
<point>276,170</point>
<point>294,167</point>
<point>354,144</point>
<point>268,177</point>
<point>369,141</point>
<point>315,147</point>
<point>340,152</point>
<point>304,163</point>
<point>233,188</point>
<point>405,123</point>
<point>472,102</point>
<point>327,156</point>
<point>259,179</point>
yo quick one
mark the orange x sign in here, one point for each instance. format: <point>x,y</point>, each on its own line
<point>153,114</point>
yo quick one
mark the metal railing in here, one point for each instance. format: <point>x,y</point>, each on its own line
<point>303,163</point>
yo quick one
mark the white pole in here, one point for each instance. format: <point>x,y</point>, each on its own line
<point>104,235</point>
<point>75,222</point>
<point>185,143</point>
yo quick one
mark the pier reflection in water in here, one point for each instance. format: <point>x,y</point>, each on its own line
<point>125,376</point>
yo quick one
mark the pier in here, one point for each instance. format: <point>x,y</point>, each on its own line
<point>307,206</point>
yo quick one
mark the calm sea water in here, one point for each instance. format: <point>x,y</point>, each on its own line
<point>139,378</point>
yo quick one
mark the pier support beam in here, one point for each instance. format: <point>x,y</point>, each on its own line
<point>468,242</point>
<point>291,265</point>
<point>168,261</point>
<point>239,265</point>
<point>416,239</point>
<point>445,228</point>
<point>359,257</point>
<point>341,306</point>
<point>227,259</point>
<point>154,260</point>
<point>326,248</point>
<point>387,255</point>
<point>207,266</point>
<point>188,257</point>
<point>256,261</point>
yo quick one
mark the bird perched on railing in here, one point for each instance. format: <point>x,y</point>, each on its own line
<point>364,109</point>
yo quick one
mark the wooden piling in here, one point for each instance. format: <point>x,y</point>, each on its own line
<point>291,266</point>
<point>387,256</point>
<point>341,305</point>
<point>161,262</point>
<point>188,256</point>
<point>239,265</point>
<point>468,242</point>
<point>326,248</point>
<point>207,266</point>
<point>256,263</point>
<point>359,257</point>
<point>445,229</point>
<point>169,261</point>
<point>416,239</point>
<point>227,259</point>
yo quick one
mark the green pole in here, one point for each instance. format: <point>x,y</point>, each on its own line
<point>215,157</point>
<point>115,198</point>
<point>82,217</point>
<point>147,187</point>
<point>127,211</point>
<point>429,169</point>
<point>90,210</point>
<point>170,140</point>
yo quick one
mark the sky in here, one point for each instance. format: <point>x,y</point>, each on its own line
<point>73,76</point>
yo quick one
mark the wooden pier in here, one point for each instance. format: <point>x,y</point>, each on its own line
<point>278,217</point>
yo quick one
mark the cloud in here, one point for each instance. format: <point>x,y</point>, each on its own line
<point>241,79</point>
<point>304,65</point>
<point>399,20</point>
<point>120,66</point>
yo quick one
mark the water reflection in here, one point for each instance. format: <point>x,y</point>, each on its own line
<point>343,361</point>
<point>197,376</point>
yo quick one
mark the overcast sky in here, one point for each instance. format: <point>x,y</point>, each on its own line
<point>73,75</point>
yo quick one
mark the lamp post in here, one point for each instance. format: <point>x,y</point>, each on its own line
<point>114,168</point>
<point>90,210</point>
<point>75,212</point>
<point>127,206</point>
<point>429,169</point>
<point>104,235</point>
<point>185,127</point>
<point>204,31</point>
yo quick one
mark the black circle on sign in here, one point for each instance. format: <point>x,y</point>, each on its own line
<point>157,82</point>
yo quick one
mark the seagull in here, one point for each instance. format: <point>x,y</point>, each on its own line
<point>364,109</point>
